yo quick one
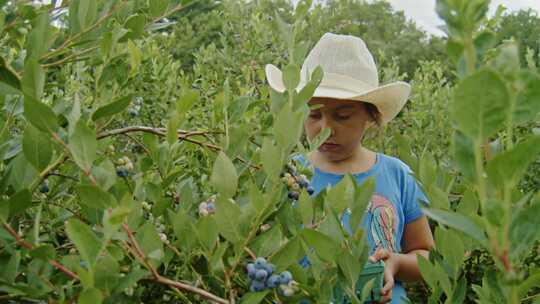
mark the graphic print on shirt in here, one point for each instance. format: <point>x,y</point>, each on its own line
<point>383,222</point>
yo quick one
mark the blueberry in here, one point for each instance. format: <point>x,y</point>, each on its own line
<point>285,277</point>
<point>122,172</point>
<point>250,267</point>
<point>133,112</point>
<point>260,262</point>
<point>293,195</point>
<point>273,281</point>
<point>269,268</point>
<point>288,292</point>
<point>211,207</point>
<point>257,286</point>
<point>44,188</point>
<point>261,275</point>
<point>303,183</point>
<point>310,190</point>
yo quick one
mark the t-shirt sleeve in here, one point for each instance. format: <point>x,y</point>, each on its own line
<point>412,196</point>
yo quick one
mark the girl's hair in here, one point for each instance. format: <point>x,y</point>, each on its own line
<point>373,113</point>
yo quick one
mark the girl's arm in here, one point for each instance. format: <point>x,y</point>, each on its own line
<point>417,239</point>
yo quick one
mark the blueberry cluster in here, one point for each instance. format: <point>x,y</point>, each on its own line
<point>261,276</point>
<point>44,187</point>
<point>295,183</point>
<point>208,207</point>
<point>124,165</point>
<point>134,110</point>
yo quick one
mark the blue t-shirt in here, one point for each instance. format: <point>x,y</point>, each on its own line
<point>394,204</point>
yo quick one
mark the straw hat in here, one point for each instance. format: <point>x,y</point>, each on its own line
<point>349,73</point>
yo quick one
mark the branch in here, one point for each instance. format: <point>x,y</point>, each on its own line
<point>69,42</point>
<point>182,135</point>
<point>29,246</point>
<point>135,249</point>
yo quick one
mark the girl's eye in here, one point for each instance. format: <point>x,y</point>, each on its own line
<point>343,117</point>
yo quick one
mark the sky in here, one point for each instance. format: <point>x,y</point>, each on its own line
<point>423,11</point>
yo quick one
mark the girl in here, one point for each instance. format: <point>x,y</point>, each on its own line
<point>348,101</point>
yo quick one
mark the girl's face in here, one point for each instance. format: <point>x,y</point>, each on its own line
<point>347,121</point>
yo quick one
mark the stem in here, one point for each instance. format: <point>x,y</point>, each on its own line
<point>165,281</point>
<point>29,246</point>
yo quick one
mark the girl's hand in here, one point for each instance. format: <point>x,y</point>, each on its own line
<point>391,266</point>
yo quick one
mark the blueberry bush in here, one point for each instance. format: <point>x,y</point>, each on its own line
<point>144,158</point>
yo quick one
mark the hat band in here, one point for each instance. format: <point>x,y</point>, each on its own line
<point>339,81</point>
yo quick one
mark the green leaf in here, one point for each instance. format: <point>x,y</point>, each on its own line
<point>43,252</point>
<point>135,58</point>
<point>9,80</point>
<point>150,243</point>
<point>320,139</point>
<point>186,102</point>
<point>87,12</point>
<point>428,272</point>
<point>268,242</point>
<point>532,281</point>
<point>9,272</point>
<point>349,266</point>
<point>94,197</point>
<point>527,105</point>
<point>86,241</point>
<point>21,173</point>
<point>224,177</point>
<point>291,77</point>
<point>106,274</point>
<point>341,196</point>
<point>172,126</point>
<point>83,146</point>
<point>37,147</point>
<point>254,297</point>
<point>33,79</point>
<point>458,222</point>
<point>227,215</point>
<point>464,157</point>
<point>507,168</point>
<point>40,38</point>
<point>135,25</point>
<point>115,107</point>
<point>271,158</point>
<point>208,232</point>
<point>19,202</point>
<point>288,254</point>
<point>325,247</point>
<point>524,230</point>
<point>480,104</point>
<point>185,231</point>
<point>40,115</point>
<point>90,296</point>
<point>158,7</point>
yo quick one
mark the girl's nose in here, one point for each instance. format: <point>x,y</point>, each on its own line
<point>327,123</point>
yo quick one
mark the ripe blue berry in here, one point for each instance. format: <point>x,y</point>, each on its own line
<point>211,207</point>
<point>122,172</point>
<point>260,262</point>
<point>285,277</point>
<point>257,286</point>
<point>273,281</point>
<point>310,190</point>
<point>44,188</point>
<point>303,183</point>
<point>269,268</point>
<point>261,275</point>
<point>133,112</point>
<point>293,195</point>
<point>251,271</point>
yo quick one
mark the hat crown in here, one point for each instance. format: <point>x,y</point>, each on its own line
<point>342,55</point>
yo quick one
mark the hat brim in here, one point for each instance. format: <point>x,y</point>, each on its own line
<point>389,99</point>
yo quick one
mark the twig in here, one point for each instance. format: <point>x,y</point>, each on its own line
<point>69,42</point>
<point>135,249</point>
<point>29,246</point>
<point>182,135</point>
<point>67,58</point>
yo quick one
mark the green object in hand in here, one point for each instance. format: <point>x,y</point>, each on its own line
<point>371,271</point>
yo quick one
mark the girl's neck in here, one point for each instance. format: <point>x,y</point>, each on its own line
<point>361,160</point>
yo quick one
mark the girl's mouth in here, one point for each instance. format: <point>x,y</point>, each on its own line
<point>327,147</point>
